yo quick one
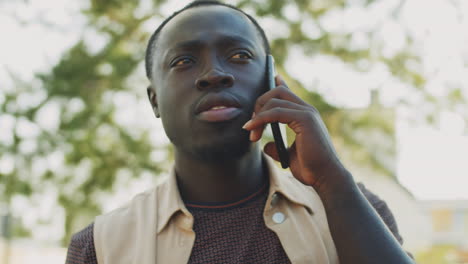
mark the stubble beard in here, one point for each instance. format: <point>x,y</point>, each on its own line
<point>229,149</point>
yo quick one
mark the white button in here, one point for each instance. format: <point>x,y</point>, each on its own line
<point>278,218</point>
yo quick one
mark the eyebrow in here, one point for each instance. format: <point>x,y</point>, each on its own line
<point>197,44</point>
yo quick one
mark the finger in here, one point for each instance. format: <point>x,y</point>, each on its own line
<point>256,134</point>
<point>282,115</point>
<point>275,102</point>
<point>280,81</point>
<point>280,92</point>
<point>270,150</point>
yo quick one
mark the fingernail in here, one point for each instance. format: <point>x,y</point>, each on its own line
<point>278,79</point>
<point>247,124</point>
<point>251,136</point>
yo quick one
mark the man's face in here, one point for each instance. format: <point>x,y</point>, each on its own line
<point>209,69</point>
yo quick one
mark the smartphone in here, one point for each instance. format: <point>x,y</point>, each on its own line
<point>275,127</point>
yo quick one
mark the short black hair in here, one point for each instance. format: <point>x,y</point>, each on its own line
<point>152,42</point>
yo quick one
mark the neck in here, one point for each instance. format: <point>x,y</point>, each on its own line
<point>227,180</point>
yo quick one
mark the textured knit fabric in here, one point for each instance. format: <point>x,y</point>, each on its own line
<point>235,233</point>
<point>81,249</point>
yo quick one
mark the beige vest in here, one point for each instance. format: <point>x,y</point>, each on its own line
<point>156,227</point>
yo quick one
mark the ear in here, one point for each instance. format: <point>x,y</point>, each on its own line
<point>152,98</point>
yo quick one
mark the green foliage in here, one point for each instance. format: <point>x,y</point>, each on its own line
<point>94,148</point>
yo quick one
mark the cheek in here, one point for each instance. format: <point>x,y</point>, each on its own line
<point>175,102</point>
<point>254,85</point>
<point>171,115</point>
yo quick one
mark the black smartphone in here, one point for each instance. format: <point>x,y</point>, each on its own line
<point>275,127</point>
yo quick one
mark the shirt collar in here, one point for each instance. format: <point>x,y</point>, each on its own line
<point>281,181</point>
<point>169,201</point>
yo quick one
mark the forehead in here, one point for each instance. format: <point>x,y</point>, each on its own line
<point>203,22</point>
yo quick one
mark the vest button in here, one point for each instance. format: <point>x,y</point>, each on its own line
<point>278,217</point>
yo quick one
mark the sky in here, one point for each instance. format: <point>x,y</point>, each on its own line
<point>432,161</point>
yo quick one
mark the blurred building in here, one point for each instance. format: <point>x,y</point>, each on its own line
<point>449,222</point>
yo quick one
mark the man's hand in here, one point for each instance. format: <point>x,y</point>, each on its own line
<point>313,159</point>
<point>359,234</point>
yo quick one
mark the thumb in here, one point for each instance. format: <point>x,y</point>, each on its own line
<point>270,150</point>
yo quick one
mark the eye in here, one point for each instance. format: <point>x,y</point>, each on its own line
<point>181,62</point>
<point>241,55</point>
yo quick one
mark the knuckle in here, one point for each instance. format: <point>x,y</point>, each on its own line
<point>271,103</point>
<point>314,110</point>
<point>311,115</point>
<point>276,110</point>
<point>282,89</point>
<point>260,100</point>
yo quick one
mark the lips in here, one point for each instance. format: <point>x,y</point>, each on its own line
<point>218,107</point>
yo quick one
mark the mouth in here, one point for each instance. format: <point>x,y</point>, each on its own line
<point>218,108</point>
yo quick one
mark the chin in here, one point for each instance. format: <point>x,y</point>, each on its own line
<point>217,152</point>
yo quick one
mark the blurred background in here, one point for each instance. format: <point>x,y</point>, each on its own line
<point>78,138</point>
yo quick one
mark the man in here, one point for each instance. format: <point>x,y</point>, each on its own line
<point>225,202</point>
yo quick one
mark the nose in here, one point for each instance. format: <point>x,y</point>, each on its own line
<point>215,79</point>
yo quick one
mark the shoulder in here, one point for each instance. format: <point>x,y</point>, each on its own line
<point>137,200</point>
<point>86,245</point>
<point>81,248</point>
<point>141,204</point>
<point>146,198</point>
<point>124,231</point>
